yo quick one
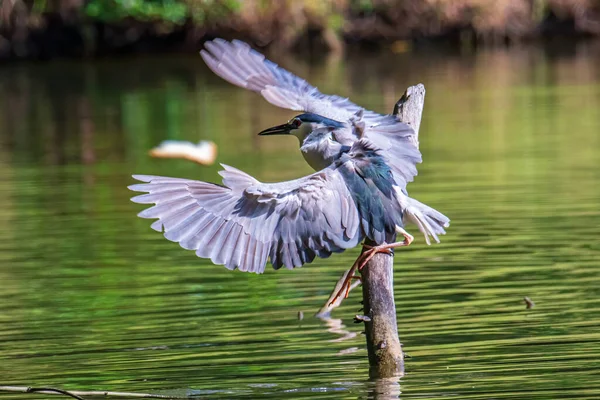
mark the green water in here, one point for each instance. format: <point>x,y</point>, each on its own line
<point>92,299</point>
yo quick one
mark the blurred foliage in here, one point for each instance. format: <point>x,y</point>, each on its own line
<point>282,24</point>
<point>143,10</point>
<point>206,11</point>
<point>110,11</point>
<point>174,11</point>
<point>362,5</point>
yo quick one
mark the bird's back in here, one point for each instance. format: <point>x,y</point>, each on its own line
<point>370,181</point>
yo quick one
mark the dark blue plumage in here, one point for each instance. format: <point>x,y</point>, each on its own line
<point>370,181</point>
<point>316,118</point>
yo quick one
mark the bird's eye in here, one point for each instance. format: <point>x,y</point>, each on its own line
<point>295,122</point>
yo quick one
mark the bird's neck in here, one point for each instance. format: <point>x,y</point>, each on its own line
<point>315,156</point>
<point>319,150</point>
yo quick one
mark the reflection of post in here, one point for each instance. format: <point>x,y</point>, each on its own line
<point>385,352</point>
<point>386,388</point>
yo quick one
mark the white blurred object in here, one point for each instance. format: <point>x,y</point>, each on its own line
<point>205,152</point>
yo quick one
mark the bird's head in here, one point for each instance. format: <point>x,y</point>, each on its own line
<point>302,125</point>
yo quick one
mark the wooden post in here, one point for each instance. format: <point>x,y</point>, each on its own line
<point>381,329</point>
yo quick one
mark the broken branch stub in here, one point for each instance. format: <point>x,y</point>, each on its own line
<point>409,108</point>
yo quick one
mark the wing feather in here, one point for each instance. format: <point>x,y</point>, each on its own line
<point>241,224</point>
<point>239,64</point>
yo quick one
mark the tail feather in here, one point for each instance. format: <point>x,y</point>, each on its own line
<point>429,221</point>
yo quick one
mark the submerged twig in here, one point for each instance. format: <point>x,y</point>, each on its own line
<point>77,394</point>
<point>58,391</point>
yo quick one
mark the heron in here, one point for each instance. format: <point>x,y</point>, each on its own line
<point>329,125</point>
<point>363,161</point>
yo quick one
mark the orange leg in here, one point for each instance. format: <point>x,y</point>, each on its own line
<point>382,248</point>
<point>366,256</point>
<point>345,288</point>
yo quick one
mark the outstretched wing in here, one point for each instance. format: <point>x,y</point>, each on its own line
<point>240,65</point>
<point>245,221</point>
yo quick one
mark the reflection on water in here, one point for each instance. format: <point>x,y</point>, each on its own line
<point>336,325</point>
<point>93,299</point>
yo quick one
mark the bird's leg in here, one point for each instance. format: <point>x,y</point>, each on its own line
<point>345,288</point>
<point>349,284</point>
<point>366,256</point>
<point>386,248</point>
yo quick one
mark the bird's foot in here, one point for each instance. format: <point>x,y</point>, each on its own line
<point>378,249</point>
<point>408,238</point>
<point>366,256</point>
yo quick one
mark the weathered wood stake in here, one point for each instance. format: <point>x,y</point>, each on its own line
<point>383,345</point>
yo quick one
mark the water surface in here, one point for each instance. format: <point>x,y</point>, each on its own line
<point>93,299</point>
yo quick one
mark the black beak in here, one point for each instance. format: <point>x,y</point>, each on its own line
<point>277,130</point>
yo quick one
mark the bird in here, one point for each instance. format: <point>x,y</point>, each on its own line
<point>243,222</point>
<point>363,161</point>
<point>329,124</point>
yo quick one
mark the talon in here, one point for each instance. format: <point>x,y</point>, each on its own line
<point>365,257</point>
<point>408,238</point>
